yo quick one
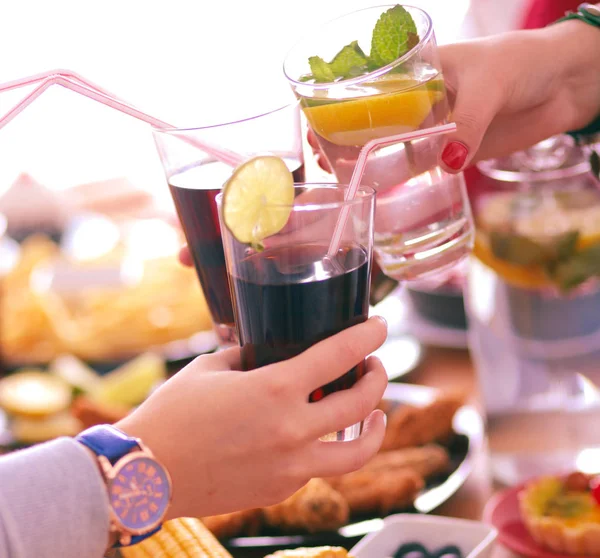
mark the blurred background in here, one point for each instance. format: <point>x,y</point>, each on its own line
<point>189,63</point>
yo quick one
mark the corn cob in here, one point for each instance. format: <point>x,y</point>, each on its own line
<point>318,552</point>
<point>185,537</point>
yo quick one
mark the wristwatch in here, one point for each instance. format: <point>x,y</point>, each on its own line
<point>139,487</point>
<point>590,14</point>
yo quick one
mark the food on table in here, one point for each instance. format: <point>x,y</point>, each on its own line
<point>381,491</point>
<point>131,383</point>
<point>91,412</point>
<point>75,372</point>
<point>315,507</point>
<point>69,396</point>
<point>390,481</point>
<point>99,324</point>
<point>247,522</point>
<point>550,238</point>
<point>33,431</point>
<point>415,426</point>
<point>34,393</point>
<point>179,538</point>
<point>563,514</point>
<point>317,552</point>
<point>427,461</point>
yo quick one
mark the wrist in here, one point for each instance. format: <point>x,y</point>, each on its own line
<point>574,47</point>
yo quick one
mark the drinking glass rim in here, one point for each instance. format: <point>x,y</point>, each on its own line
<point>176,129</point>
<point>375,73</point>
<point>367,191</point>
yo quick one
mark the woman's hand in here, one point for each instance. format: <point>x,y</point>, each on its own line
<point>513,90</point>
<point>234,440</point>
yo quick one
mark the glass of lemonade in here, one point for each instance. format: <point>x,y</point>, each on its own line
<point>195,178</point>
<point>376,73</point>
<point>291,291</point>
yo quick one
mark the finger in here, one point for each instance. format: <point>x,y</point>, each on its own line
<point>185,256</point>
<point>473,111</point>
<point>345,408</point>
<point>332,358</point>
<point>337,458</point>
<point>228,359</point>
<point>312,140</point>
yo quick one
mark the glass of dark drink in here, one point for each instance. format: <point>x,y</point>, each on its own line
<point>195,178</point>
<point>290,292</point>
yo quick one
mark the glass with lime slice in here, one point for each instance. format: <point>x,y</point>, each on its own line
<point>287,292</point>
<point>195,178</point>
<point>376,73</point>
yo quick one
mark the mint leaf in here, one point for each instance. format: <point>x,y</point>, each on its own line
<point>395,33</point>
<point>321,71</point>
<point>351,61</point>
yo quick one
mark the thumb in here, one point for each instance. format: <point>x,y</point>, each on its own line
<point>474,109</point>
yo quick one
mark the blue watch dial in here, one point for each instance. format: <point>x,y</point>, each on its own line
<point>139,493</point>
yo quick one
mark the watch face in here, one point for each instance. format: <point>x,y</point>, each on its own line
<point>139,494</point>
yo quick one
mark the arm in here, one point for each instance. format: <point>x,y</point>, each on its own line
<point>53,502</point>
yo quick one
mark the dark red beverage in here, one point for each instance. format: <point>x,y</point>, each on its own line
<point>288,299</point>
<point>194,191</point>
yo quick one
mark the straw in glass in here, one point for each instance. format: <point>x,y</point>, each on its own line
<point>78,84</point>
<point>359,170</point>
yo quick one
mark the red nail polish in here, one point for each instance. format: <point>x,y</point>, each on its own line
<point>455,155</point>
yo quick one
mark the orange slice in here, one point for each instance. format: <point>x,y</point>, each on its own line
<point>359,120</point>
<point>519,276</point>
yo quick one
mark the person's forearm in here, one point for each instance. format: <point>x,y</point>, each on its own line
<point>575,49</point>
<point>53,502</point>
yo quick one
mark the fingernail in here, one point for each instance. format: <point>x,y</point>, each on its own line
<point>384,420</point>
<point>382,320</point>
<point>455,155</point>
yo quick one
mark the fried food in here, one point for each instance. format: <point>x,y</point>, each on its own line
<point>416,426</point>
<point>315,507</point>
<point>90,412</point>
<point>243,523</point>
<point>427,461</point>
<point>317,552</point>
<point>96,324</point>
<point>378,491</point>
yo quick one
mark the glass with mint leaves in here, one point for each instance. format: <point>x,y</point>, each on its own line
<point>376,73</point>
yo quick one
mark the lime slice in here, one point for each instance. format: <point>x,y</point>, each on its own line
<point>132,382</point>
<point>33,431</point>
<point>258,198</point>
<point>33,393</point>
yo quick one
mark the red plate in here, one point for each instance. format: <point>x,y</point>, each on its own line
<point>502,511</point>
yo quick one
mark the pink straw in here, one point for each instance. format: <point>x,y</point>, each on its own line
<point>74,82</point>
<point>359,170</point>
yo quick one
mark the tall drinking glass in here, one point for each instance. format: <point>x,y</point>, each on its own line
<point>423,217</point>
<point>290,294</point>
<point>195,178</point>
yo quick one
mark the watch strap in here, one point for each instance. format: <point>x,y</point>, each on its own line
<point>590,14</point>
<point>108,441</point>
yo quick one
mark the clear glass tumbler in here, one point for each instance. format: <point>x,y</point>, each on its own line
<point>423,216</point>
<point>291,294</point>
<point>195,178</point>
